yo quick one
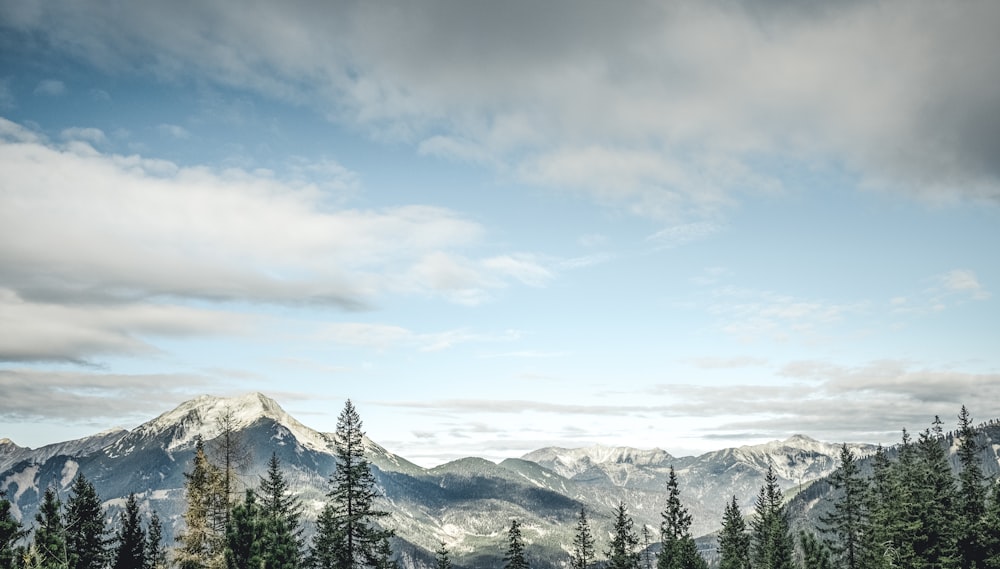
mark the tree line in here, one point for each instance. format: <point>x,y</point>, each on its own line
<point>903,509</point>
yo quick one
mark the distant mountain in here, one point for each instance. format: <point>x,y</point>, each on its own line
<point>467,503</point>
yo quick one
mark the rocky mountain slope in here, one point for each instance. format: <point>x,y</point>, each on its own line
<point>466,504</point>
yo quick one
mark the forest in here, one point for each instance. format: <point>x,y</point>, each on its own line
<point>902,507</point>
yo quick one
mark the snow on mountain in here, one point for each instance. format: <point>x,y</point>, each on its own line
<point>570,462</point>
<point>11,454</point>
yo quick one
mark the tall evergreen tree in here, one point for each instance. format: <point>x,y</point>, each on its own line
<point>847,520</point>
<point>734,541</point>
<point>679,550</point>
<point>130,552</point>
<point>991,528</point>
<point>971,496</point>
<point>86,534</point>
<point>280,515</point>
<point>646,544</point>
<point>621,551</point>
<point>935,538</point>
<point>49,543</point>
<point>583,544</point>
<point>815,554</point>
<point>11,532</point>
<point>349,536</point>
<point>156,553</point>
<point>515,558</point>
<point>244,535</point>
<point>771,539</point>
<point>441,558</point>
<point>203,538</point>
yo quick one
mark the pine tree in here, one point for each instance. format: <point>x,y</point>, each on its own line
<point>971,496</point>
<point>647,547</point>
<point>515,559</point>
<point>202,540</point>
<point>877,547</point>
<point>734,541</point>
<point>679,550</point>
<point>156,553</point>
<point>86,534</point>
<point>583,544</point>
<point>935,539</point>
<point>991,528</point>
<point>441,558</point>
<point>815,554</point>
<point>50,534</point>
<point>130,553</point>
<point>11,532</point>
<point>771,539</point>
<point>847,520</point>
<point>244,535</point>
<point>621,552</point>
<point>347,534</point>
<point>280,514</point>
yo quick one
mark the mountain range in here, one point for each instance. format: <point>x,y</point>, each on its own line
<point>466,504</point>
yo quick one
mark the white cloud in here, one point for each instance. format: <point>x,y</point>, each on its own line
<point>383,337</point>
<point>174,131</point>
<point>91,135</point>
<point>964,281</point>
<point>50,87</point>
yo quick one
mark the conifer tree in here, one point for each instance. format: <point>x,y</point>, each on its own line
<point>621,552</point>
<point>130,552</point>
<point>441,558</point>
<point>232,456</point>
<point>156,553</point>
<point>86,534</point>
<point>49,543</point>
<point>647,547</point>
<point>847,520</point>
<point>202,540</point>
<point>991,528</point>
<point>11,532</point>
<point>815,554</point>
<point>515,559</point>
<point>280,514</point>
<point>935,538</point>
<point>679,550</point>
<point>244,535</point>
<point>771,539</point>
<point>878,499</point>
<point>583,544</point>
<point>734,541</point>
<point>971,496</point>
<point>347,534</point>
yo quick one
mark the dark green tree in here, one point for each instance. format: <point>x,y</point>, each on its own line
<point>734,541</point>
<point>815,554</point>
<point>971,496</point>
<point>244,535</point>
<point>848,519</point>
<point>11,532</point>
<point>622,552</point>
<point>583,544</point>
<point>49,543</point>
<point>515,559</point>
<point>130,551</point>
<point>86,533</point>
<point>679,550</point>
<point>280,515</point>
<point>646,546</point>
<point>876,537</point>
<point>935,539</point>
<point>156,553</point>
<point>348,535</point>
<point>441,558</point>
<point>771,544</point>
<point>991,528</point>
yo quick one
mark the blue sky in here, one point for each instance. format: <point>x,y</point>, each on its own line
<point>506,226</point>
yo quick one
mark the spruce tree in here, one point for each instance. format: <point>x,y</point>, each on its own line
<point>847,520</point>
<point>815,554</point>
<point>11,532</point>
<point>583,544</point>
<point>991,528</point>
<point>679,550</point>
<point>86,534</point>
<point>877,545</point>
<point>734,541</point>
<point>647,547</point>
<point>280,515</point>
<point>771,539</point>
<point>130,552</point>
<point>441,558</point>
<point>156,553</point>
<point>49,543</point>
<point>621,551</point>
<point>515,559</point>
<point>244,535</point>
<point>202,540</point>
<point>971,496</point>
<point>935,539</point>
<point>347,534</point>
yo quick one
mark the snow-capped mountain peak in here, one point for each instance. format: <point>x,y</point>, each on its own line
<point>569,462</point>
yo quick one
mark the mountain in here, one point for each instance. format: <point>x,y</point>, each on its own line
<point>467,503</point>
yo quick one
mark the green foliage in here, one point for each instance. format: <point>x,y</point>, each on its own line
<point>156,553</point>
<point>583,544</point>
<point>734,541</point>
<point>347,534</point>
<point>10,533</point>
<point>815,554</point>
<point>441,558</point>
<point>935,537</point>
<point>515,559</point>
<point>679,550</point>
<point>971,496</point>
<point>130,552</point>
<point>86,533</point>
<point>244,535</point>
<point>622,552</point>
<point>771,539</point>
<point>991,528</point>
<point>49,548</point>
<point>848,518</point>
<point>280,513</point>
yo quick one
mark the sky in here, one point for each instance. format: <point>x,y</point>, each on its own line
<point>502,226</point>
